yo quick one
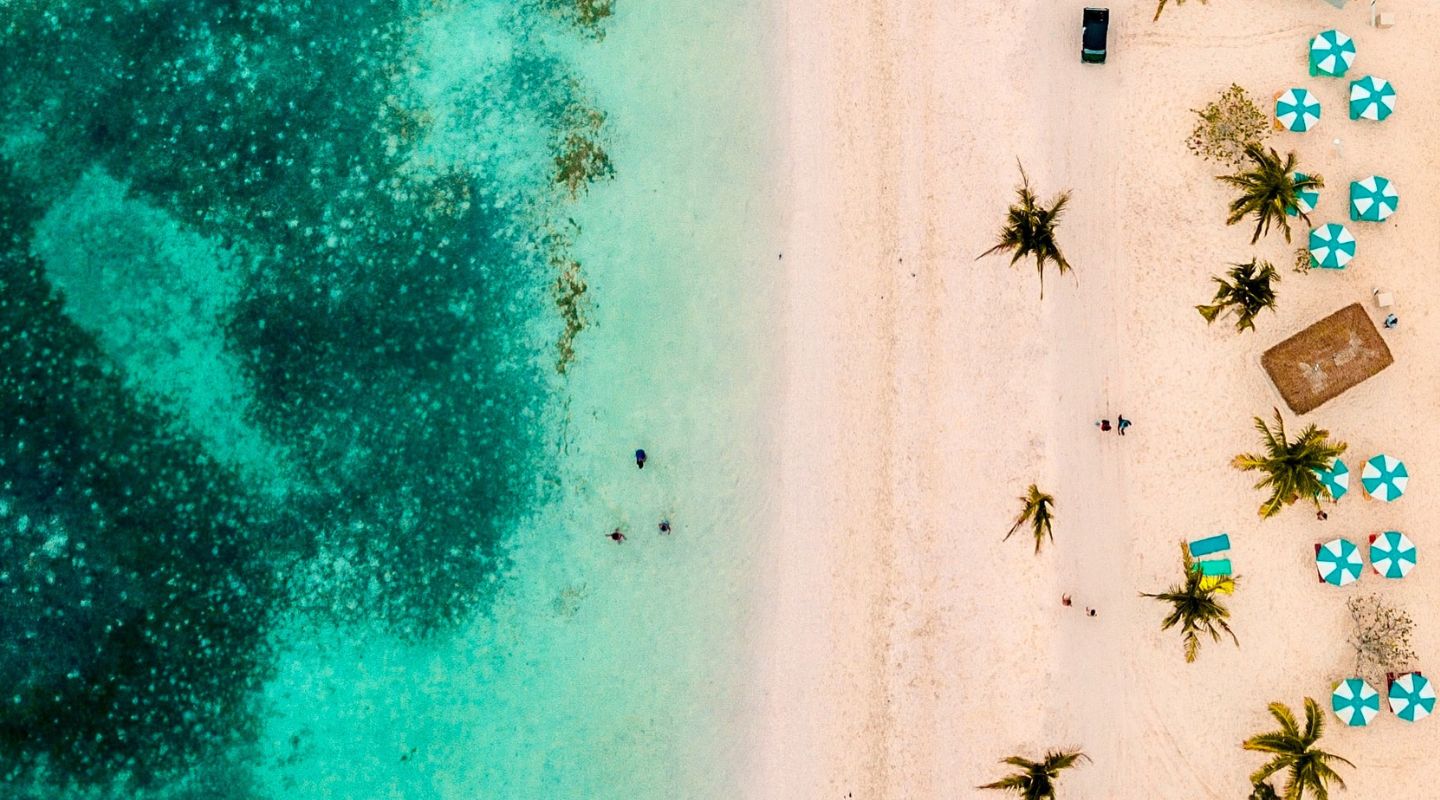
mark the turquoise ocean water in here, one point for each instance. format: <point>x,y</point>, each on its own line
<point>327,331</point>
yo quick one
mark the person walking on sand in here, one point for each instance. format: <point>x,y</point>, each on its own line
<point>1089,612</point>
<point>1121,424</point>
<point>615,536</point>
<point>1065,600</point>
<point>640,459</point>
<point>1104,424</point>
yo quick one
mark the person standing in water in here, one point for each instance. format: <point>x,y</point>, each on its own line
<point>664,526</point>
<point>640,459</point>
<point>615,536</point>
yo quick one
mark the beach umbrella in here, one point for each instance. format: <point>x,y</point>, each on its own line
<point>1373,199</point>
<point>1355,701</point>
<point>1331,53</point>
<point>1339,562</point>
<point>1384,477</point>
<point>1298,110</point>
<point>1392,554</point>
<point>1336,480</point>
<point>1412,697</point>
<point>1305,199</point>
<point>1371,98</point>
<point>1332,246</point>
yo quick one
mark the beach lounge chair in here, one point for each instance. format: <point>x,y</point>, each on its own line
<point>1224,584</point>
<point>1210,545</point>
<point>1215,567</point>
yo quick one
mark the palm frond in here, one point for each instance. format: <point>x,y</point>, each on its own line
<point>1036,510</point>
<point>1194,608</point>
<point>1029,231</point>
<point>1267,190</point>
<point>1293,750</point>
<point>1036,781</point>
<point>1289,468</point>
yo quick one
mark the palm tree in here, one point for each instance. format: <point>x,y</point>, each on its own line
<point>1194,608</point>
<point>1161,7</point>
<point>1247,293</point>
<point>1294,750</point>
<point>1290,467</point>
<point>1036,511</point>
<point>1030,231</point>
<point>1037,781</point>
<point>1267,190</point>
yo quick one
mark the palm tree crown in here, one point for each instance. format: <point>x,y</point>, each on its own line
<point>1294,749</point>
<point>1036,781</point>
<point>1249,291</point>
<point>1036,511</point>
<point>1290,467</point>
<point>1030,230</point>
<point>1267,190</point>
<point>1194,608</point>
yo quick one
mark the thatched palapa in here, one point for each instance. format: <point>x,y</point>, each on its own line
<point>1322,361</point>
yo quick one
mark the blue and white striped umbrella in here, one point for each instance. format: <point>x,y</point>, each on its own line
<point>1392,554</point>
<point>1331,53</point>
<point>1373,199</point>
<point>1371,98</point>
<point>1356,702</point>
<point>1336,480</point>
<point>1297,109</point>
<point>1339,562</point>
<point>1332,246</point>
<point>1305,199</point>
<point>1412,697</point>
<point>1384,477</point>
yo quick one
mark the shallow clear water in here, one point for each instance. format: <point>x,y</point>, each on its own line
<point>311,436</point>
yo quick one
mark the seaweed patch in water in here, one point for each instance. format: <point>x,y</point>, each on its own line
<point>587,16</point>
<point>580,158</point>
<point>570,291</point>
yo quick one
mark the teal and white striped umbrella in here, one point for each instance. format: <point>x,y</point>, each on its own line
<point>1392,554</point>
<point>1336,480</point>
<point>1332,246</point>
<point>1384,477</point>
<point>1339,562</point>
<point>1305,199</point>
<point>1297,109</point>
<point>1412,697</point>
<point>1371,98</point>
<point>1373,199</point>
<point>1356,702</point>
<point>1331,53</point>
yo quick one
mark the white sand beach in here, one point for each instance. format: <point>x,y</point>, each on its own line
<point>903,647</point>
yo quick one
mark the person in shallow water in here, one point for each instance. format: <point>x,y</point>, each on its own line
<point>615,536</point>
<point>640,459</point>
<point>664,526</point>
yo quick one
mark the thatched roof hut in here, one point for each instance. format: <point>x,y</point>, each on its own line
<point>1322,361</point>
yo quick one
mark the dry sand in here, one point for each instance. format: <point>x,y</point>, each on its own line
<point>904,648</point>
